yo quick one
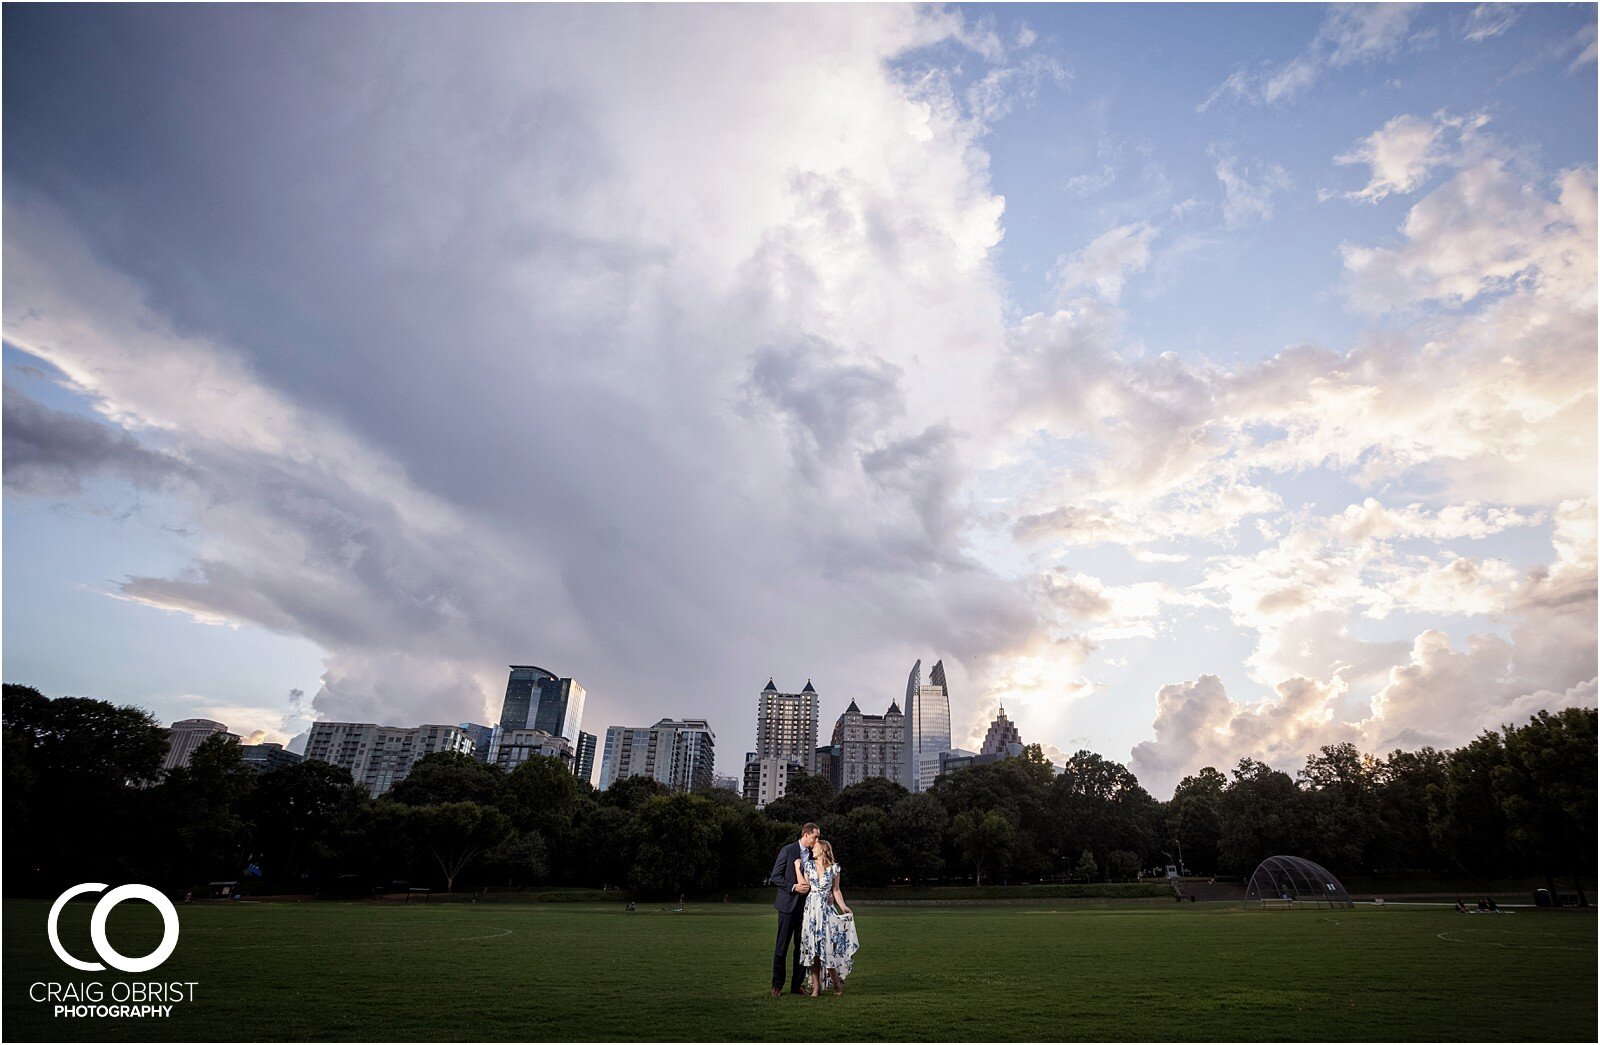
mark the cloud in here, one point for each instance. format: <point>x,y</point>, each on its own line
<point>1489,20</point>
<point>561,354</point>
<point>1433,691</point>
<point>53,453</point>
<point>1483,232</point>
<point>1247,188</point>
<point>1350,34</point>
<point>1104,266</point>
<point>252,725</point>
<point>1402,153</point>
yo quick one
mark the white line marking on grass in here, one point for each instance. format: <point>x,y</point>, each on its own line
<point>1448,936</point>
<point>491,936</point>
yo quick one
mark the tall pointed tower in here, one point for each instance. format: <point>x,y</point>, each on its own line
<point>927,725</point>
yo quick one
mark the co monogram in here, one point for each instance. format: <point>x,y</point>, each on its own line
<point>97,927</point>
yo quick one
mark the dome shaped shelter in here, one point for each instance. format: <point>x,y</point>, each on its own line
<point>1298,881</point>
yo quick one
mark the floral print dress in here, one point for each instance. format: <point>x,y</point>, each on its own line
<point>826,935</point>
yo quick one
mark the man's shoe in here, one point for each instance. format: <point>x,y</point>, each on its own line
<point>777,992</point>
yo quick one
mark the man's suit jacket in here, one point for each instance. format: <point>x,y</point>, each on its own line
<point>782,878</point>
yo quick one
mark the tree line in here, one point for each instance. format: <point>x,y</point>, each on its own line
<point>86,800</point>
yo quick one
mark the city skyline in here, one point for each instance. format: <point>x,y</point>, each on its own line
<point>1197,382</point>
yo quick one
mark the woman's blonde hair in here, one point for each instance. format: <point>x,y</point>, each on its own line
<point>826,849</point>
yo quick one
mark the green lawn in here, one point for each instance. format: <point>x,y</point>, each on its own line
<point>1064,971</point>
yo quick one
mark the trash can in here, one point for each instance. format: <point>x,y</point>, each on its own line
<point>1541,898</point>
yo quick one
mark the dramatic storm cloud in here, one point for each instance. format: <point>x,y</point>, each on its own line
<point>677,348</point>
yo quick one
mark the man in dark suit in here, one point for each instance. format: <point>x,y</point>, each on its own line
<point>791,905</point>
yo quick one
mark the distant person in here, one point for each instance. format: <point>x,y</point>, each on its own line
<point>1494,908</point>
<point>790,904</point>
<point>1461,907</point>
<point>828,932</point>
<point>1483,905</point>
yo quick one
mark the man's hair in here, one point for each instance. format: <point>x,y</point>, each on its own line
<point>811,829</point>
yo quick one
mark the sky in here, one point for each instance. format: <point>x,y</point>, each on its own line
<point>1199,382</point>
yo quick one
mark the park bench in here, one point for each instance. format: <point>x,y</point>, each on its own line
<point>1276,904</point>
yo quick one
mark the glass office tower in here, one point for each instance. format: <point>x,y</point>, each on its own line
<point>522,696</point>
<point>927,725</point>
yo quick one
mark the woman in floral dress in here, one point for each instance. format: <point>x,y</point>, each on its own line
<point>828,933</point>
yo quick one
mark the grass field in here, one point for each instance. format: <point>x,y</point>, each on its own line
<point>1062,971</point>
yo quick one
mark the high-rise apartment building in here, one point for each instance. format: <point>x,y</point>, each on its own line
<point>867,746</point>
<point>482,738</point>
<point>187,734</point>
<point>512,747</point>
<point>379,757</point>
<point>680,753</point>
<point>537,699</point>
<point>927,725</point>
<point>786,725</point>
<point>768,779</point>
<point>584,758</point>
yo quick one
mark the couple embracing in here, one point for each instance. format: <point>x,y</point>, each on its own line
<point>812,915</point>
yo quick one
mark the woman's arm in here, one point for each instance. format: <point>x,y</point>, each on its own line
<point>800,876</point>
<point>838,894</point>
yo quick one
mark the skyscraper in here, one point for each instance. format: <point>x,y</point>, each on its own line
<point>678,753</point>
<point>482,738</point>
<point>869,746</point>
<point>583,768</point>
<point>513,747</point>
<point>187,734</point>
<point>927,724</point>
<point>537,699</point>
<point>379,757</point>
<point>786,725</point>
<point>1003,738</point>
<point>521,696</point>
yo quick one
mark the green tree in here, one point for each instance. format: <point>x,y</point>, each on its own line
<point>1087,869</point>
<point>743,851</point>
<point>203,810</point>
<point>874,791</point>
<point>1402,840</point>
<point>521,859</point>
<point>450,776</point>
<point>542,795</point>
<point>1122,865</point>
<point>1546,787</point>
<point>1099,805</point>
<point>1194,819</point>
<point>916,837</point>
<point>75,807</point>
<point>306,819</point>
<point>606,854</point>
<point>454,834</point>
<point>1262,816</point>
<point>630,793</point>
<point>984,840</point>
<point>860,840</point>
<point>675,845</point>
<point>807,797</point>
<point>1339,803</point>
<point>1019,789</point>
<point>1465,817</point>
